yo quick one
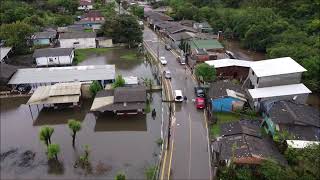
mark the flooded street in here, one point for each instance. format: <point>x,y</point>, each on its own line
<point>117,144</point>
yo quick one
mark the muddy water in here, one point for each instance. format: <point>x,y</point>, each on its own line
<point>242,53</point>
<point>126,144</point>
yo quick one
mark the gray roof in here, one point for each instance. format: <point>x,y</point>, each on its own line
<point>6,71</point>
<point>179,36</point>
<point>306,133</point>
<point>243,146</point>
<point>44,35</point>
<point>288,112</point>
<point>63,74</point>
<point>130,94</point>
<point>179,28</point>
<point>52,52</point>
<point>203,25</point>
<point>77,35</point>
<point>218,89</point>
<point>248,127</point>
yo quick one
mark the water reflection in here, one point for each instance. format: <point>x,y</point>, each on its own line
<point>106,122</point>
<point>55,167</point>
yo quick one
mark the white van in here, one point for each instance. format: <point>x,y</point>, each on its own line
<point>178,96</point>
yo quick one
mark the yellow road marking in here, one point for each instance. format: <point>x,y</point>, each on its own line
<point>164,164</point>
<point>189,146</point>
<point>170,161</point>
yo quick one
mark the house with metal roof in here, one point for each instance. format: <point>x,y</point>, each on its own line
<point>92,19</point>
<point>226,96</point>
<point>275,72</point>
<point>122,100</point>
<point>242,143</point>
<point>45,38</point>
<point>35,77</point>
<point>301,121</point>
<point>207,44</point>
<point>53,56</point>
<point>77,40</point>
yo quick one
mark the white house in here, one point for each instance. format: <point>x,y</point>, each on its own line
<point>78,40</point>
<point>85,5</point>
<point>53,56</point>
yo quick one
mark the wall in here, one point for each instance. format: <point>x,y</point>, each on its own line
<point>41,42</point>
<point>83,43</point>
<point>277,80</point>
<point>233,72</point>
<point>57,60</point>
<point>105,43</point>
<point>223,104</point>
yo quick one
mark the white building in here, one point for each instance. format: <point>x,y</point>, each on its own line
<point>275,72</point>
<point>53,56</point>
<point>78,40</point>
<point>36,77</point>
<point>85,5</point>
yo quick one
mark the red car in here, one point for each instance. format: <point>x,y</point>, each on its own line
<point>200,103</point>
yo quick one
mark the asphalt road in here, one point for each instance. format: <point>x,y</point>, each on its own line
<point>188,155</point>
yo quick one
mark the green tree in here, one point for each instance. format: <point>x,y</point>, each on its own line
<point>271,170</point>
<point>45,134</point>
<point>120,176</point>
<point>137,11</point>
<point>74,126</point>
<point>53,151</point>
<point>16,35</point>
<point>206,72</point>
<point>95,87</point>
<point>123,29</point>
<point>84,159</point>
<point>119,82</point>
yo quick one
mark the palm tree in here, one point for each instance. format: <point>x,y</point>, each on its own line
<point>74,126</point>
<point>45,134</point>
<point>53,151</point>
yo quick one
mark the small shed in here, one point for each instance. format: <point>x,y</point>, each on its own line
<point>103,42</point>
<point>226,96</point>
<point>53,56</point>
<point>45,38</point>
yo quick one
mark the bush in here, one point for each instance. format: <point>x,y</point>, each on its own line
<point>119,82</point>
<point>95,87</point>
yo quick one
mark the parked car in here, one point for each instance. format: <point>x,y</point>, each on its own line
<point>181,60</point>
<point>199,91</point>
<point>178,97</point>
<point>167,74</point>
<point>163,60</point>
<point>23,88</point>
<point>200,103</point>
<point>167,47</point>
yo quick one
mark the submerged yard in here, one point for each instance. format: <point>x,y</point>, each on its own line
<point>116,144</point>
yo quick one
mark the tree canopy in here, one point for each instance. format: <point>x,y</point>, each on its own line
<point>206,72</point>
<point>123,29</point>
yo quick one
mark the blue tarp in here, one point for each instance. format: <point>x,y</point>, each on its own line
<point>223,104</point>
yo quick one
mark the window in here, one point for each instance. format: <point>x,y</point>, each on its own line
<point>76,43</point>
<point>50,59</point>
<point>252,73</point>
<point>257,80</point>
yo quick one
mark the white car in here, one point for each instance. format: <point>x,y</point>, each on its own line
<point>167,74</point>
<point>163,60</point>
<point>178,96</point>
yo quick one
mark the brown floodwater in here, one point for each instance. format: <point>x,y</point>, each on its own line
<point>117,144</point>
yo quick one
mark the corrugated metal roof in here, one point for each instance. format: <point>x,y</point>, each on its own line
<point>77,35</point>
<point>276,66</point>
<point>206,44</point>
<point>52,52</point>
<point>63,74</point>
<point>292,89</point>
<point>56,94</point>
<point>229,62</point>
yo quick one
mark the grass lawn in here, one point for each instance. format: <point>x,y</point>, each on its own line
<point>129,56</point>
<point>82,54</point>
<point>222,118</point>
